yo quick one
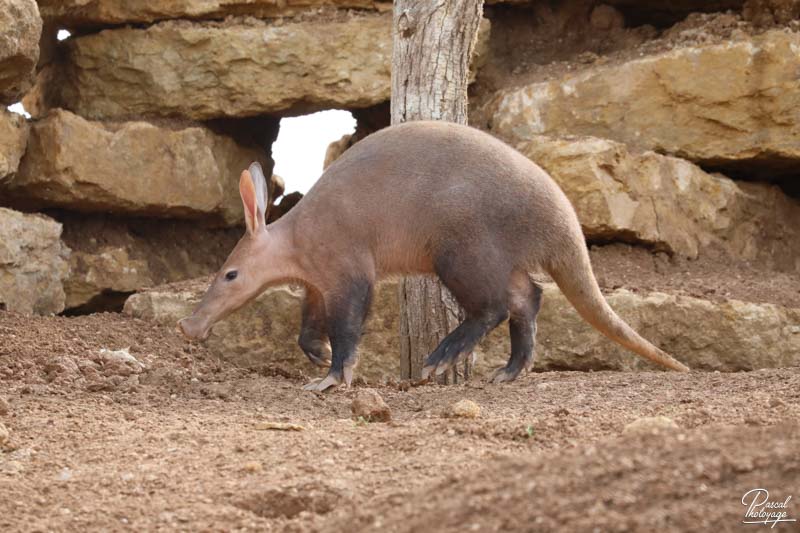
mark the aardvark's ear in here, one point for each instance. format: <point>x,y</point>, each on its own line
<point>262,191</point>
<point>247,190</point>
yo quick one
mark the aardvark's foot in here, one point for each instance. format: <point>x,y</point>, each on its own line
<point>504,374</point>
<point>331,381</point>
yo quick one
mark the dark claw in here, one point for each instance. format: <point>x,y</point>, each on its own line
<point>319,353</point>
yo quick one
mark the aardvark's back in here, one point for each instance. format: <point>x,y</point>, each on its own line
<point>411,189</point>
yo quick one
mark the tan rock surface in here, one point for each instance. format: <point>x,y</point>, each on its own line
<point>235,68</point>
<point>20,29</point>
<point>669,203</point>
<point>13,138</point>
<point>33,263</point>
<point>727,336</point>
<point>82,13</point>
<point>134,168</point>
<point>732,105</point>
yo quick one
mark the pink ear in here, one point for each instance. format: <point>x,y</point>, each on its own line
<point>248,193</point>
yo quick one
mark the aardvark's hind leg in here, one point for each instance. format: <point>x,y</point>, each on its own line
<point>525,299</point>
<point>479,285</point>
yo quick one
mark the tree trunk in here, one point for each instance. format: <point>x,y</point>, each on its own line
<point>433,44</point>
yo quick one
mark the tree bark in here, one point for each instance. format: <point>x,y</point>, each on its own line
<point>433,44</point>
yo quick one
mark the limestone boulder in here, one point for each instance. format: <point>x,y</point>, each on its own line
<point>728,336</point>
<point>733,105</point>
<point>335,149</point>
<point>20,30</point>
<point>112,258</point>
<point>132,168</point>
<point>265,331</point>
<point>233,69</point>
<point>33,263</point>
<point>668,203</point>
<point>95,13</point>
<point>13,139</point>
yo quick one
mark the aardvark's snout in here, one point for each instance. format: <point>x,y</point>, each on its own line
<point>193,328</point>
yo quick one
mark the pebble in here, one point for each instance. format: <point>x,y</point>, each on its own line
<point>278,426</point>
<point>369,405</point>
<point>4,407</point>
<point>252,467</point>
<point>773,402</point>
<point>650,424</point>
<point>465,409</point>
<point>11,467</point>
<point>4,434</point>
<point>65,474</point>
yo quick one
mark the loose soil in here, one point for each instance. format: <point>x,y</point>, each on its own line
<point>712,276</point>
<point>99,444</point>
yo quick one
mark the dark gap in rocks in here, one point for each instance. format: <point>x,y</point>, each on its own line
<point>628,238</point>
<point>372,119</point>
<point>106,302</point>
<point>785,173</point>
<point>663,15</point>
<point>791,187</point>
<point>260,131</point>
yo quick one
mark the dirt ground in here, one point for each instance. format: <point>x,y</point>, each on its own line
<point>713,276</point>
<point>173,440</point>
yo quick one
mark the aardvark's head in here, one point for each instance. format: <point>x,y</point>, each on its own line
<point>245,272</point>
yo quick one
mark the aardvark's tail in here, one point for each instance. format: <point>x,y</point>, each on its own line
<point>576,280</point>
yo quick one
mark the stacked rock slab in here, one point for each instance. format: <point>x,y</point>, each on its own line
<point>20,29</point>
<point>728,336</point>
<point>669,204</point>
<point>13,139</point>
<point>233,69</point>
<point>95,13</point>
<point>732,105</point>
<point>731,335</point>
<point>33,263</point>
<point>131,168</point>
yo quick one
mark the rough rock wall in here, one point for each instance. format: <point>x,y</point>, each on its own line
<point>672,127</point>
<point>20,27</point>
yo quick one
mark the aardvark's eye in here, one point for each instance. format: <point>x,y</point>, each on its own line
<point>230,276</point>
